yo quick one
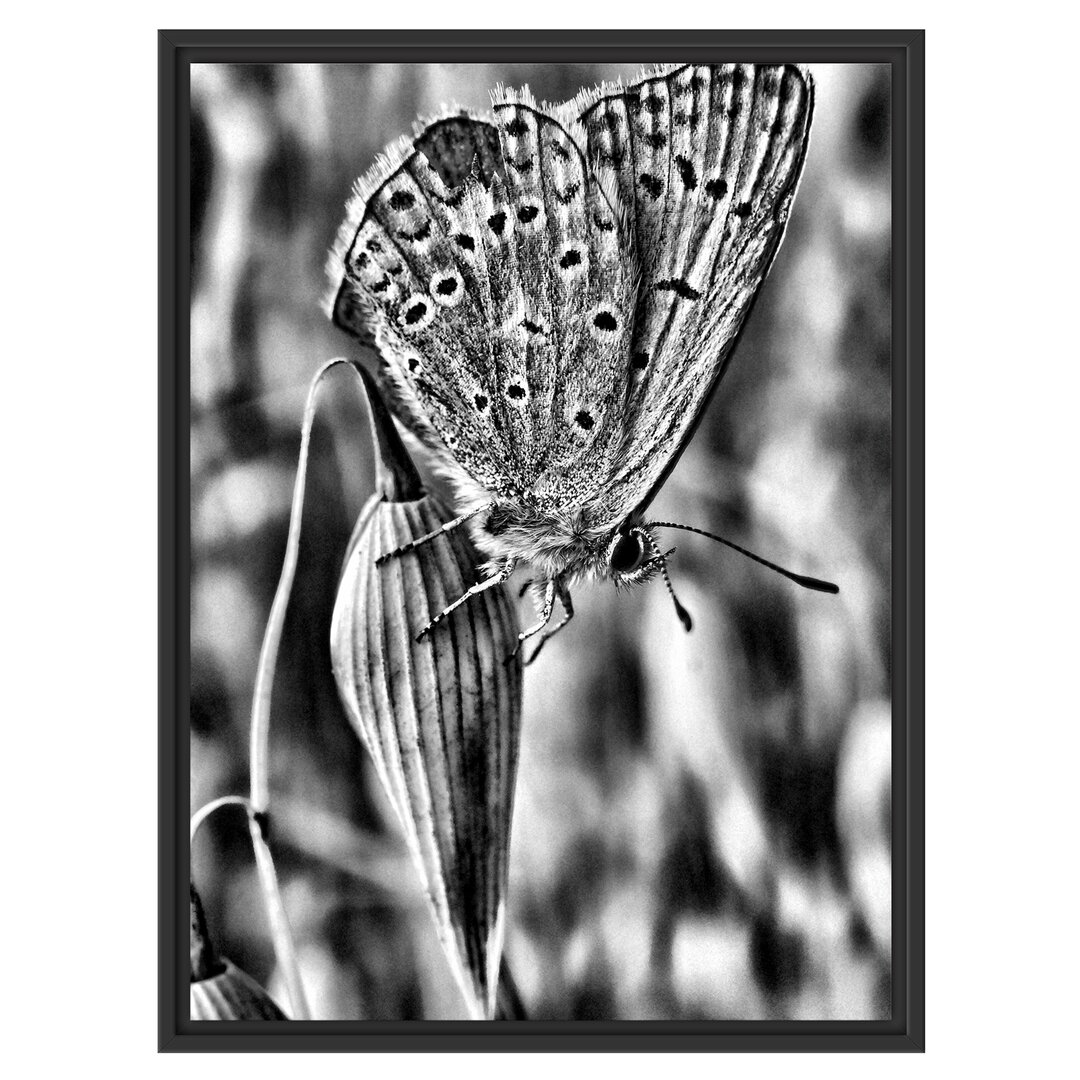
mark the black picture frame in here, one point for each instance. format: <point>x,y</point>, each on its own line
<point>904,50</point>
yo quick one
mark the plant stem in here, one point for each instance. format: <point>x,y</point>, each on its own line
<point>258,816</point>
<point>203,956</point>
<point>204,812</point>
<point>264,676</point>
<point>508,1003</point>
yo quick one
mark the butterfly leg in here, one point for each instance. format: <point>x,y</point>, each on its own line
<point>448,527</point>
<point>568,613</point>
<point>544,612</point>
<point>481,586</point>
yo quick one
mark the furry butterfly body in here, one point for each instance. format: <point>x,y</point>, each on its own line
<point>554,292</point>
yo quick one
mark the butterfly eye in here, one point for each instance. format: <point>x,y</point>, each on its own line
<point>627,554</point>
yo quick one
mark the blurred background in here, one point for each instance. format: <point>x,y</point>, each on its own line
<point>702,821</point>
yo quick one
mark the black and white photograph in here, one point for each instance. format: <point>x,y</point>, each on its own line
<point>539,548</point>
<point>541,541</point>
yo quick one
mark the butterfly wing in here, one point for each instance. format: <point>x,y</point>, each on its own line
<point>403,254</point>
<point>708,159</point>
<point>454,147</point>
<point>487,264</point>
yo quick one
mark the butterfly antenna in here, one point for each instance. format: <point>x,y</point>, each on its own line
<point>684,615</point>
<point>799,579</point>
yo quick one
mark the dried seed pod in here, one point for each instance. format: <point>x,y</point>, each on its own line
<point>440,717</point>
<point>219,989</point>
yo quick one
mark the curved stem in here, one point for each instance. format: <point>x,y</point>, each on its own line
<point>280,930</point>
<point>259,805</point>
<point>264,676</point>
<point>275,908</point>
<point>204,812</point>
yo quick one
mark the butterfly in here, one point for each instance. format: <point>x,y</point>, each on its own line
<point>554,293</point>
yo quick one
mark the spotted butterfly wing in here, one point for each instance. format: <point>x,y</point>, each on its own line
<point>454,147</point>
<point>490,267</point>
<point>708,159</point>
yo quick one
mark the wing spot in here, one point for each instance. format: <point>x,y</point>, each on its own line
<point>402,200</point>
<point>517,127</point>
<point>413,363</point>
<point>604,225</point>
<point>415,313</point>
<point>447,287</point>
<point>656,139</point>
<point>743,209</point>
<point>605,320</point>
<point>419,235</point>
<point>533,328</point>
<point>464,241</point>
<point>680,287</point>
<point>694,85</point>
<point>639,361</point>
<point>361,260</point>
<point>382,285</point>
<point>481,402</point>
<point>566,196</point>
<point>515,391</point>
<point>651,184</point>
<point>687,172</point>
<point>571,258</point>
<point>716,188</point>
<point>527,214</point>
<point>653,104</point>
<point>559,150</point>
<point>584,420</point>
<point>497,222</point>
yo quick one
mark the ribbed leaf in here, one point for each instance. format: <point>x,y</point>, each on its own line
<point>440,717</point>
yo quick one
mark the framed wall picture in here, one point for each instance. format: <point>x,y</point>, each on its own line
<point>542,540</point>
